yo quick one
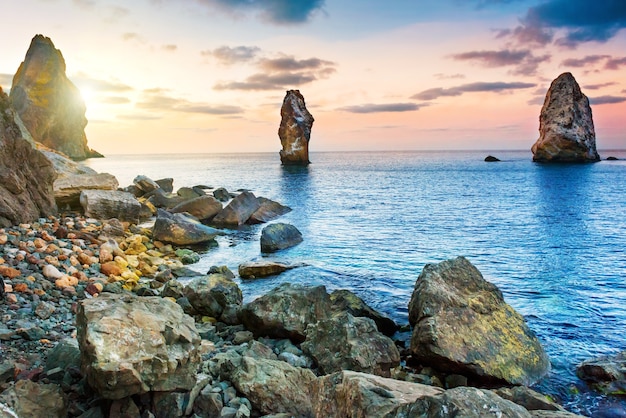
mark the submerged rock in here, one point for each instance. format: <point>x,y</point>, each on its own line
<point>257,269</point>
<point>295,129</point>
<point>463,325</point>
<point>491,159</point>
<point>48,103</point>
<point>267,211</point>
<point>279,236</point>
<point>566,131</point>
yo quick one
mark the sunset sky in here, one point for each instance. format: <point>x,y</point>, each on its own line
<point>165,76</point>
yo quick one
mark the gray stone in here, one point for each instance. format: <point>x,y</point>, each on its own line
<point>238,211</point>
<point>258,269</point>
<point>202,207</point>
<point>279,236</point>
<point>267,211</point>
<point>210,294</point>
<point>107,204</point>
<point>181,230</point>
<point>345,300</point>
<point>30,399</point>
<point>67,189</point>
<point>145,183</point>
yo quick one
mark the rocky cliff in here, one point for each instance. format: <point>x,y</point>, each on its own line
<point>47,102</point>
<point>295,129</point>
<point>26,175</point>
<point>566,132</point>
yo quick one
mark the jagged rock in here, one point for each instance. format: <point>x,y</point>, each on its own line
<point>566,132</point>
<point>607,374</point>
<point>345,300</point>
<point>466,402</point>
<point>26,175</point>
<point>145,183</point>
<point>286,311</point>
<point>202,207</point>
<point>295,129</point>
<point>107,204</point>
<point>48,103</point>
<point>343,342</point>
<point>67,189</point>
<point>63,165</point>
<point>30,399</point>
<point>267,211</point>
<point>179,229</point>
<point>279,236</point>
<point>210,295</point>
<point>238,211</point>
<point>257,269</point>
<point>132,345</point>
<point>161,199</point>
<point>354,394</point>
<point>167,184</point>
<point>463,325</point>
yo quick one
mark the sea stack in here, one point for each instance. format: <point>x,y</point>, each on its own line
<point>47,102</point>
<point>566,132</point>
<point>295,129</point>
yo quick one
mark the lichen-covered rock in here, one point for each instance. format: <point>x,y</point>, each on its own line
<point>210,295</point>
<point>67,189</point>
<point>361,395</point>
<point>566,131</point>
<point>132,345</point>
<point>279,236</point>
<point>295,129</point>
<point>267,211</point>
<point>463,325</point>
<point>238,211</point>
<point>345,300</point>
<point>178,229</point>
<point>286,311</point>
<point>107,204</point>
<point>343,342</point>
<point>49,105</point>
<point>26,175</point>
<point>202,207</point>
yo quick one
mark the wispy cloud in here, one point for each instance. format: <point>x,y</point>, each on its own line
<point>615,63</point>
<point>133,36</point>
<point>442,76</point>
<point>584,61</point>
<point>169,47</point>
<point>233,55</point>
<point>524,61</point>
<point>114,100</point>
<point>281,12</point>
<point>161,102</point>
<point>85,81</point>
<point>435,93</point>
<point>290,63</point>
<point>138,116</point>
<point>600,100</point>
<point>263,81</point>
<point>599,85</point>
<point>382,108</point>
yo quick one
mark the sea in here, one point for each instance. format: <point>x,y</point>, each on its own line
<point>552,237</point>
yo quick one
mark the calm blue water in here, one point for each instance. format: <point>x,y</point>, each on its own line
<point>551,237</point>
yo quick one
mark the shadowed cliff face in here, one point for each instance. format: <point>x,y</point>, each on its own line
<point>26,175</point>
<point>566,131</point>
<point>295,129</point>
<point>49,105</point>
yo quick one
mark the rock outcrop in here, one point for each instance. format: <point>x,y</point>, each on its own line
<point>48,103</point>
<point>463,325</point>
<point>566,132</point>
<point>295,129</point>
<point>26,175</point>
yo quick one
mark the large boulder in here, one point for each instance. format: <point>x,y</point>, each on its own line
<point>202,207</point>
<point>463,325</point>
<point>107,204</point>
<point>286,311</point>
<point>268,210</point>
<point>26,175</point>
<point>178,229</point>
<point>606,374</point>
<point>566,132</point>
<point>295,129</point>
<point>210,295</point>
<point>50,106</point>
<point>67,189</point>
<point>132,345</point>
<point>278,236</point>
<point>361,395</point>
<point>345,300</point>
<point>343,342</point>
<point>238,210</point>
<point>30,399</point>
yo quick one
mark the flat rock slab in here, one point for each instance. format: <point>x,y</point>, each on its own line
<point>258,269</point>
<point>107,204</point>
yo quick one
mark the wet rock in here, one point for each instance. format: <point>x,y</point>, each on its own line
<point>67,189</point>
<point>279,236</point>
<point>30,399</point>
<point>133,345</point>
<point>345,300</point>
<point>258,269</point>
<point>267,211</point>
<point>566,131</point>
<point>202,207</point>
<point>528,398</point>
<point>209,295</point>
<point>343,342</point>
<point>463,325</point>
<point>354,394</point>
<point>107,204</point>
<point>295,129</point>
<point>607,374</point>
<point>286,311</point>
<point>238,211</point>
<point>221,194</point>
<point>181,230</point>
<point>491,159</point>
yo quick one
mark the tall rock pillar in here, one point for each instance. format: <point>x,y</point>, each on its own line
<point>295,129</point>
<point>47,102</point>
<point>566,132</point>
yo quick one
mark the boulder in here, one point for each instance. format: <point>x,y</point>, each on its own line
<point>343,342</point>
<point>566,131</point>
<point>491,159</point>
<point>606,374</point>
<point>161,199</point>
<point>26,175</point>
<point>107,204</point>
<point>133,345</point>
<point>145,183</point>
<point>49,105</point>
<point>257,269</point>
<point>167,184</point>
<point>179,229</point>
<point>67,189</point>
<point>238,211</point>
<point>221,194</point>
<point>279,236</point>
<point>63,165</point>
<point>361,395</point>
<point>466,402</point>
<point>295,129</point>
<point>210,295</point>
<point>286,311</point>
<point>345,300</point>
<point>189,192</point>
<point>202,207</point>
<point>461,324</point>
<point>30,399</point>
<point>267,211</point>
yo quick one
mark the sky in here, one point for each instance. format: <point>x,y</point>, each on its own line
<point>190,76</point>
